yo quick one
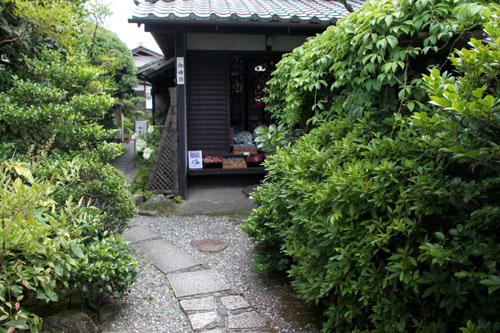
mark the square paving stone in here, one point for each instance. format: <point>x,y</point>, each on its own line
<point>198,304</point>
<point>234,302</point>
<point>246,320</point>
<point>165,256</point>
<point>137,234</point>
<point>199,282</point>
<point>201,320</point>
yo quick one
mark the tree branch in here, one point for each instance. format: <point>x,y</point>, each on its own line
<point>11,39</point>
<point>347,6</point>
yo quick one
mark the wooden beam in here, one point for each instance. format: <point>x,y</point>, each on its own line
<point>220,171</point>
<point>180,51</point>
<point>169,28</point>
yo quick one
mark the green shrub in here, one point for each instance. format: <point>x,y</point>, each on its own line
<point>61,94</point>
<point>97,183</point>
<point>388,218</point>
<point>105,187</point>
<point>128,127</point>
<point>106,267</point>
<point>44,245</point>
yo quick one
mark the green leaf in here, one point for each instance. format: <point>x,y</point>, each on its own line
<point>410,106</point>
<point>439,235</point>
<point>393,41</point>
<point>77,250</point>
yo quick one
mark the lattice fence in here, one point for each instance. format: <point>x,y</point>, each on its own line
<point>164,175</point>
<point>165,179</point>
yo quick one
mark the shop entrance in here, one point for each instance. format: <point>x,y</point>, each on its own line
<point>249,74</point>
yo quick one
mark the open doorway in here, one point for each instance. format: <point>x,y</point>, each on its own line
<point>249,74</point>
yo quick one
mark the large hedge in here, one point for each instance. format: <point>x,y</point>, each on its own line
<point>59,196</point>
<point>386,211</point>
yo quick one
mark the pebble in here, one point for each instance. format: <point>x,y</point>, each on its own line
<point>222,311</point>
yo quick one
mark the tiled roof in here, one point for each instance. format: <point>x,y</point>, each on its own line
<point>153,68</point>
<point>294,11</point>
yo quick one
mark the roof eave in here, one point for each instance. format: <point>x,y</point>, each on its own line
<point>250,23</point>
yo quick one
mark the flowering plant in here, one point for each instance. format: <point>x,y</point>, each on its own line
<point>146,144</point>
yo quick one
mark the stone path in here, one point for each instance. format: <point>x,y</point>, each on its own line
<point>203,294</point>
<point>126,163</point>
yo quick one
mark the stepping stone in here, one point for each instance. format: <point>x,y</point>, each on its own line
<point>234,302</point>
<point>198,304</point>
<point>246,320</point>
<point>200,321</point>
<point>165,256</point>
<point>152,213</point>
<point>139,198</point>
<point>195,283</point>
<point>209,245</point>
<point>157,199</point>
<point>137,234</point>
<point>248,190</point>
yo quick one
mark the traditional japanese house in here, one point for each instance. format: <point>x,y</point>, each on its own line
<point>207,90</point>
<point>142,57</point>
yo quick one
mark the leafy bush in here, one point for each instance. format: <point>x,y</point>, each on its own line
<point>97,183</point>
<point>106,267</point>
<point>128,127</point>
<point>45,245</point>
<point>105,187</point>
<point>388,217</point>
<point>62,95</point>
<point>371,61</point>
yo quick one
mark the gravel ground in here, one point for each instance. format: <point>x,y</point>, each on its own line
<point>151,306</point>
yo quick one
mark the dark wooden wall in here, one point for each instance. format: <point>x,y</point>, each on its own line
<point>208,102</point>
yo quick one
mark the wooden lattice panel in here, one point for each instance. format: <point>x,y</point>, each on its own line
<point>165,177</point>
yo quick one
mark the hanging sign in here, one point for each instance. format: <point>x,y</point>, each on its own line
<point>180,70</point>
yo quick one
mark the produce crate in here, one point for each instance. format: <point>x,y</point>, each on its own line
<point>210,161</point>
<point>234,163</point>
<point>242,149</point>
<point>254,160</point>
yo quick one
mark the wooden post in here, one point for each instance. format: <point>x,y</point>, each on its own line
<point>180,51</point>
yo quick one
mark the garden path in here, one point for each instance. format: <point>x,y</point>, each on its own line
<point>201,291</point>
<point>126,162</point>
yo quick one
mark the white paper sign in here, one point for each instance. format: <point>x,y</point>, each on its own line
<point>141,127</point>
<point>180,70</point>
<point>195,159</point>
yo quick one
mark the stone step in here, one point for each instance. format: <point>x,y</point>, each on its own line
<point>136,234</point>
<point>195,283</point>
<point>165,256</point>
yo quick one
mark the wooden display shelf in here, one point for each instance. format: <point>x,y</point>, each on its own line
<point>238,166</point>
<point>241,171</point>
